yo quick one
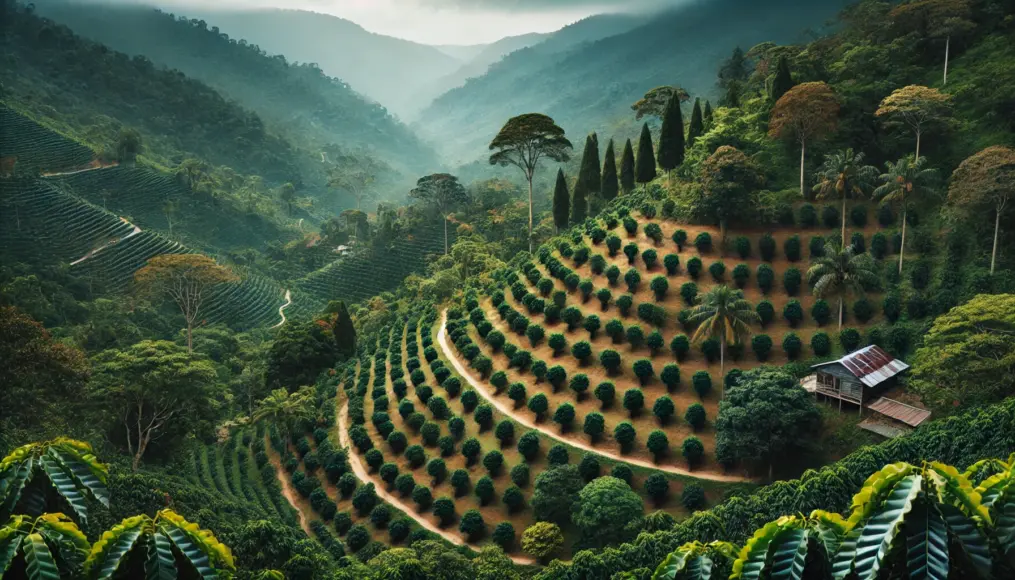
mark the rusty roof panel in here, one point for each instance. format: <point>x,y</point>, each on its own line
<point>871,365</point>
<point>908,414</point>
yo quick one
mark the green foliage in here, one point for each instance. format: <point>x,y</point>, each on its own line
<point>693,450</point>
<point>604,510</point>
<point>701,381</point>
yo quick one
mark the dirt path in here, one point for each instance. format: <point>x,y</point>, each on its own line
<point>91,167</point>
<point>287,490</point>
<point>288,301</point>
<point>364,476</point>
<point>481,390</point>
<point>92,253</point>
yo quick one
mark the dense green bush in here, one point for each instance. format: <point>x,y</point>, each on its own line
<point>538,404</point>
<point>765,277</point>
<point>694,267</point>
<point>821,312</point>
<point>892,306</point>
<point>718,271</point>
<point>689,292</point>
<point>564,416</point>
<point>625,434</point>
<point>793,312</point>
<point>701,381</point>
<point>679,238</point>
<point>761,344</point>
<point>791,281</point>
<point>643,370</point>
<point>630,226</point>
<point>693,497</point>
<point>680,346</point>
<point>624,303</point>
<point>821,344</point>
<point>613,244</point>
<point>849,338</point>
<point>858,215</point>
<point>792,346</point>
<point>581,351</point>
<point>660,286</point>
<point>741,275</point>
<point>743,247</point>
<point>886,217</point>
<point>693,450</point>
<point>650,258</point>
<point>672,264</point>
<point>695,416</point>
<point>710,348</point>
<point>792,248</point>
<point>633,279</point>
<point>670,376</point>
<point>766,246</point>
<point>631,251</point>
<point>658,444</point>
<point>606,393</point>
<point>863,310</point>
<point>830,216</point>
<point>808,216</point>
<point>558,455</point>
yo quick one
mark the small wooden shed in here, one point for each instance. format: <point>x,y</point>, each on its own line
<point>858,376</point>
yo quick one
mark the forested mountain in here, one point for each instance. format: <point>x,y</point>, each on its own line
<point>386,69</point>
<point>298,101</point>
<point>588,86</point>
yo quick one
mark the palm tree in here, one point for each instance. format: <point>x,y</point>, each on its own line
<point>904,180</point>
<point>286,410</point>
<point>844,272</point>
<point>844,175</point>
<point>723,313</point>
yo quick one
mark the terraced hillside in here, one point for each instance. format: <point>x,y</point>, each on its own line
<point>38,148</point>
<point>158,201</point>
<point>369,271</point>
<point>430,439</point>
<point>597,329</point>
<point>40,221</point>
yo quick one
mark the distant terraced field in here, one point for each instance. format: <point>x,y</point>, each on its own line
<point>40,220</point>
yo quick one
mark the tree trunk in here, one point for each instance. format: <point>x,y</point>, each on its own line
<point>803,149</point>
<point>530,214</point>
<point>840,313</point>
<point>917,146</point>
<point>997,228</point>
<point>722,236</point>
<point>770,469</point>
<point>722,369</point>
<point>948,42</point>
<point>445,235</point>
<point>190,337</point>
<point>902,248</point>
<point>843,244</point>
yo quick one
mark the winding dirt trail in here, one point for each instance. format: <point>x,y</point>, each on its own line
<point>287,488</point>
<point>288,301</point>
<point>364,476</point>
<point>94,251</point>
<point>482,391</point>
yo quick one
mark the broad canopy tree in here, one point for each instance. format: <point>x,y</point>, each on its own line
<point>917,107</point>
<point>935,19</point>
<point>968,355</point>
<point>441,191</point>
<point>985,181</point>
<point>764,415</point>
<point>807,112</point>
<point>184,278</point>
<point>155,391</point>
<point>655,102</point>
<point>728,178</point>
<point>523,142</point>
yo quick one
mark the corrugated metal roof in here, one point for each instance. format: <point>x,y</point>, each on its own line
<point>900,411</point>
<point>870,364</point>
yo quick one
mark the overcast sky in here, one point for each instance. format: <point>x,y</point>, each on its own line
<point>443,21</point>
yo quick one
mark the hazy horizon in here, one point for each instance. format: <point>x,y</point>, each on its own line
<point>434,22</point>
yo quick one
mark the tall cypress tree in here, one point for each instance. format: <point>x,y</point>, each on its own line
<point>645,164</point>
<point>609,182</point>
<point>697,125</point>
<point>587,182</point>
<point>783,79</point>
<point>343,329</point>
<point>627,168</point>
<point>561,202</point>
<point>579,204</point>
<point>707,115</point>
<point>671,137</point>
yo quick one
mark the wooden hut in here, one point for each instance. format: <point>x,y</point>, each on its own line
<point>857,377</point>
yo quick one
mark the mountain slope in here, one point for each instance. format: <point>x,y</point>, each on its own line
<point>297,100</point>
<point>586,86</point>
<point>384,68</point>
